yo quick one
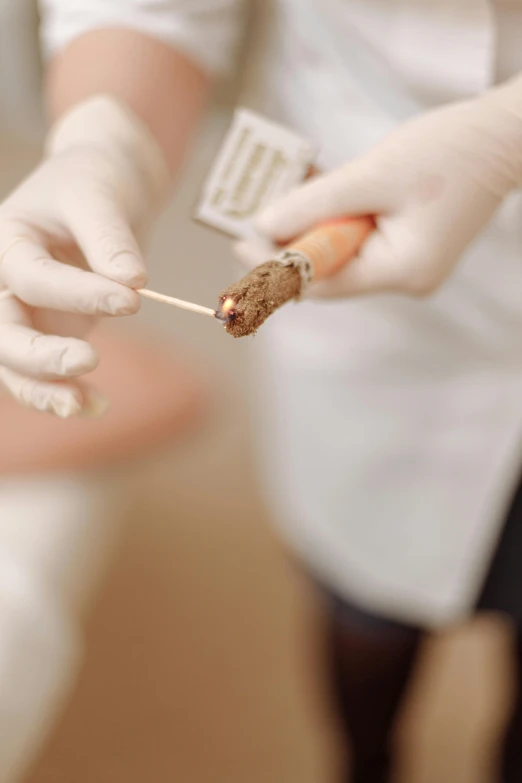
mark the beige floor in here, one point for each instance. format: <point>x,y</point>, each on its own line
<point>203,655</point>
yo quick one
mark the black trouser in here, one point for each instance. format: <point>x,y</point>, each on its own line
<point>372,660</point>
<point>372,663</point>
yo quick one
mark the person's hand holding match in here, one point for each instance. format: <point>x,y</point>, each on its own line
<point>432,186</point>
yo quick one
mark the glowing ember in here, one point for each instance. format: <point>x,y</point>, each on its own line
<point>257,296</point>
<point>227,312</point>
<point>227,306</point>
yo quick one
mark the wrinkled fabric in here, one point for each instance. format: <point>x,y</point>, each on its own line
<point>392,426</point>
<point>206,30</point>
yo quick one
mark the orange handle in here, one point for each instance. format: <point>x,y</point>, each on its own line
<point>333,244</point>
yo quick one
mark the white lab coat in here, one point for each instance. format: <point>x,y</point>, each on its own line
<point>390,429</point>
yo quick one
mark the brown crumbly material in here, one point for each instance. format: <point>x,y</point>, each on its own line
<point>259,294</point>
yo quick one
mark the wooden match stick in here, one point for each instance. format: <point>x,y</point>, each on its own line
<point>6,293</point>
<point>170,300</point>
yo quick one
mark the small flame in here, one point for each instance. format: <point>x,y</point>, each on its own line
<point>226,312</point>
<point>227,306</point>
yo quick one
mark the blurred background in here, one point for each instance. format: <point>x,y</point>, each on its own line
<point>202,654</point>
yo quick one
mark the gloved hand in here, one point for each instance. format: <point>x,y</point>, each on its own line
<point>69,253</point>
<point>432,185</point>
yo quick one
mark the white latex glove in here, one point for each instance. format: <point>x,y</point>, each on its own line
<point>68,251</point>
<point>432,185</point>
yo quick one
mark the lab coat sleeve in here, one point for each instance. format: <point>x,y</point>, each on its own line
<point>208,31</point>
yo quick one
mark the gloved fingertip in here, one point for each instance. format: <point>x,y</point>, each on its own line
<point>126,302</point>
<point>266,222</point>
<point>128,269</point>
<point>137,280</point>
<point>95,405</point>
<point>79,359</point>
<point>65,403</point>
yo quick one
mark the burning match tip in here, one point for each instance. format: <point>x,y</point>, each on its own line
<point>226,313</point>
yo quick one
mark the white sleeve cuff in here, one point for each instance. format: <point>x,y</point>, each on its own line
<point>207,31</point>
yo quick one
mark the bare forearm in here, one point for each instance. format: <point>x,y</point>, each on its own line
<point>163,87</point>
